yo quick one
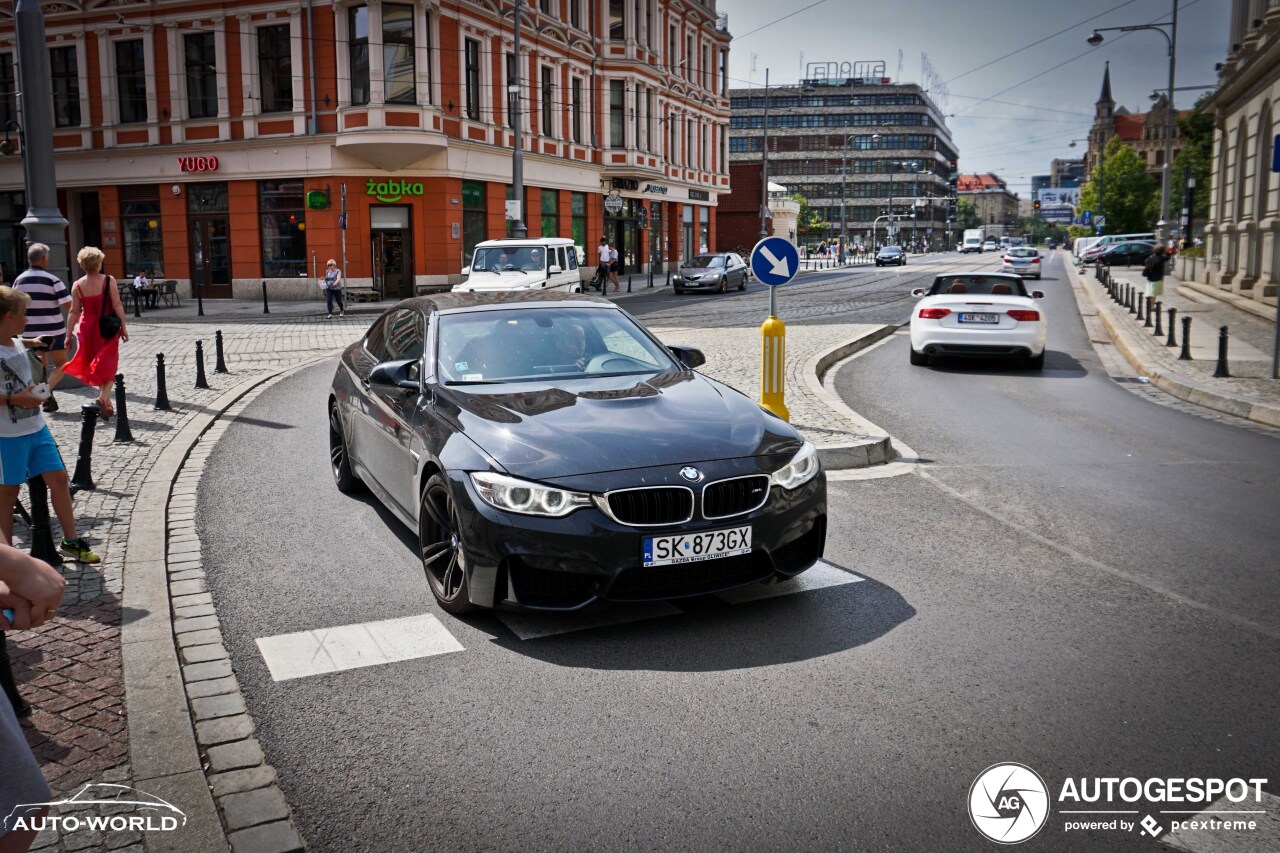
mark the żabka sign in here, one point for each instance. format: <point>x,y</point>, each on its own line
<point>392,190</point>
<point>198,164</point>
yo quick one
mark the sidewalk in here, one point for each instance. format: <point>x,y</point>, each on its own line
<point>129,684</point>
<point>1249,392</point>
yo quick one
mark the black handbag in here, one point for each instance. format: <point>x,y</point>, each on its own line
<point>109,325</point>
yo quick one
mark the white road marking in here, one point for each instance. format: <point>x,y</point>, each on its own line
<point>531,625</point>
<point>821,576</point>
<point>326,650</point>
<point>1265,813</point>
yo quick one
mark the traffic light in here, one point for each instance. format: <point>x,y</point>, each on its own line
<point>1036,204</point>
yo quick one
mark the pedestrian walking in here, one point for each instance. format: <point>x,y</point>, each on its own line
<point>1153,270</point>
<point>46,328</point>
<point>333,283</point>
<point>602,267</point>
<point>613,267</point>
<point>27,448</point>
<point>95,300</point>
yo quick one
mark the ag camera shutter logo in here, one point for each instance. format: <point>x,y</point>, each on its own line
<point>1008,803</point>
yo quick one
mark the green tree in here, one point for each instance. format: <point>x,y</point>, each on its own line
<point>809,222</point>
<point>1130,196</point>
<point>967,215</point>
<point>1194,160</point>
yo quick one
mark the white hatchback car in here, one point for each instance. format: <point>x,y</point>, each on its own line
<point>987,315</point>
<point>1020,260</point>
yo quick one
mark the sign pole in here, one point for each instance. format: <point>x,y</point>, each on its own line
<point>1275,349</point>
<point>774,261</point>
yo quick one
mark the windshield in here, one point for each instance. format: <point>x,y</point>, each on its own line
<point>891,250</point>
<point>1022,253</point>
<point>527,344</point>
<point>978,285</point>
<point>509,258</point>
<point>705,261</point>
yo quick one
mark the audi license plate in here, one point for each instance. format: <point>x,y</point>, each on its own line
<point>979,318</point>
<point>694,547</point>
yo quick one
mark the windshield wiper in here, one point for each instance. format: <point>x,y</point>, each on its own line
<point>476,382</point>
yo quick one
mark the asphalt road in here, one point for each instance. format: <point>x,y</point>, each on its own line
<point>994,625</point>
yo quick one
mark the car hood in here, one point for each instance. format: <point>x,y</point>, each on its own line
<point>587,426</point>
<point>504,281</point>
<point>687,271</point>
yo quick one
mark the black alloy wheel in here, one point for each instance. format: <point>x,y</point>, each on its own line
<point>444,559</point>
<point>339,462</point>
<point>724,283</point>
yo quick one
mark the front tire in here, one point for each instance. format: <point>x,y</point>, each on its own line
<point>339,460</point>
<point>444,559</point>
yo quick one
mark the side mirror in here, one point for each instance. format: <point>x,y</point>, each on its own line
<point>918,292</point>
<point>402,375</point>
<point>690,357</point>
<point>553,269</point>
<point>466,270</point>
<point>1037,294</point>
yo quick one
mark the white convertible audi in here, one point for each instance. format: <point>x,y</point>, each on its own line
<point>987,315</point>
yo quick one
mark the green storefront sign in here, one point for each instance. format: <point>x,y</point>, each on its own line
<point>393,190</point>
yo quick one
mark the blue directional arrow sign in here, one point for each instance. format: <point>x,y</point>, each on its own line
<point>775,261</point>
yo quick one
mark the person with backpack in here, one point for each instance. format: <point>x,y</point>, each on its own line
<point>1153,270</point>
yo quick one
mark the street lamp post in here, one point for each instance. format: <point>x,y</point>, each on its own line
<point>1171,36</point>
<point>844,166</point>
<point>764,166</point>
<point>518,229</point>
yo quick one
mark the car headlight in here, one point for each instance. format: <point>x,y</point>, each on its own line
<point>515,495</point>
<point>802,468</point>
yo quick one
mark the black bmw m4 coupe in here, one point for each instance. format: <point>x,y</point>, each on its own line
<point>551,452</point>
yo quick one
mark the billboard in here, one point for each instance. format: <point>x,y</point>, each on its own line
<point>1062,213</point>
<point>1059,195</point>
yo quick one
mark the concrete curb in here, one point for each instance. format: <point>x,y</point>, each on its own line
<point>1173,384</point>
<point>163,752</point>
<point>877,448</point>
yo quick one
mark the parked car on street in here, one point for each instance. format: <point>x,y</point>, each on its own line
<point>1101,244</point>
<point>1126,254</point>
<point>891,255</point>
<point>1021,260</point>
<point>990,246</point>
<point>717,271</point>
<point>987,315</point>
<point>550,452</point>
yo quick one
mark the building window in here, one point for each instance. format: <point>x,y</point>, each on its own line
<point>65,73</point>
<point>202,75</point>
<point>275,68</point>
<point>358,53</point>
<point>688,57</point>
<point>642,129</point>
<point>131,81</point>
<point>475,227</point>
<point>140,221</point>
<point>284,235</point>
<point>617,114</point>
<point>705,67</point>
<point>704,229</point>
<point>472,61</point>
<point>550,213</point>
<point>8,90</point>
<point>548,123</point>
<point>575,109</point>
<point>397,54</point>
<point>724,72</point>
<point>426,34</point>
<point>672,41</point>
<point>578,219</point>
<point>547,7</point>
<point>617,20</point>
<point>575,14</point>
<point>649,141</point>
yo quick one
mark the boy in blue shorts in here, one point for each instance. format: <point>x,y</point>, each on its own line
<point>26,447</point>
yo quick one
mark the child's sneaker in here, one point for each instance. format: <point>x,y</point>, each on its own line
<point>79,549</point>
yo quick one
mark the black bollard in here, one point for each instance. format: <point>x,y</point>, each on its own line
<point>1131,300</point>
<point>651,276</point>
<point>1097,271</point>
<point>628,284</point>
<point>1139,301</point>
<point>123,433</point>
<point>201,382</point>
<point>42,546</point>
<point>1185,355</point>
<point>1146,322</point>
<point>137,303</point>
<point>668,278</point>
<point>162,391</point>
<point>199,298</point>
<point>82,479</point>
<point>1173,326</point>
<point>265,308</point>
<point>1221,372</point>
<point>219,361</point>
<point>1159,332</point>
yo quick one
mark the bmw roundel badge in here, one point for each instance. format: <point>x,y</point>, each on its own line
<point>691,474</point>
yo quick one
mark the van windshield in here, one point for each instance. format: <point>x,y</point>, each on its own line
<point>502,259</point>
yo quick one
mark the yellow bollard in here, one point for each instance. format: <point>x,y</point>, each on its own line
<point>773,367</point>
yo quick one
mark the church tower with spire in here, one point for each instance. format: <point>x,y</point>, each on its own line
<point>1104,122</point>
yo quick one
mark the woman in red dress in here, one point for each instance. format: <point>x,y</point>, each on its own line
<point>96,359</point>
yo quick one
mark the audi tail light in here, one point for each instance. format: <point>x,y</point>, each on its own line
<point>1024,316</point>
<point>936,313</point>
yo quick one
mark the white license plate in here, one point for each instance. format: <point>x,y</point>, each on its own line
<point>979,318</point>
<point>694,547</point>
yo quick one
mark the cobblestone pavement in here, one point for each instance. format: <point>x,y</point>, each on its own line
<point>70,670</point>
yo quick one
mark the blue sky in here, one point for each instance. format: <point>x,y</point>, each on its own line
<point>1018,133</point>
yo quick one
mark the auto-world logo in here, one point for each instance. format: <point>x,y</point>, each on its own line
<point>393,190</point>
<point>1008,803</point>
<point>99,807</point>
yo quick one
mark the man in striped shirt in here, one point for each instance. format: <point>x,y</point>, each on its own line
<point>46,316</point>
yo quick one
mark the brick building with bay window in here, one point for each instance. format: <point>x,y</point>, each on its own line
<point>220,143</point>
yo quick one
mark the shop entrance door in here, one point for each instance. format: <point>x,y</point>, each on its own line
<point>210,257</point>
<point>392,250</point>
<point>622,234</point>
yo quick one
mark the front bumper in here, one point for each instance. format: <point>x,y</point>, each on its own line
<point>929,338</point>
<point>700,284</point>
<point>566,563</point>
<point>1027,271</point>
